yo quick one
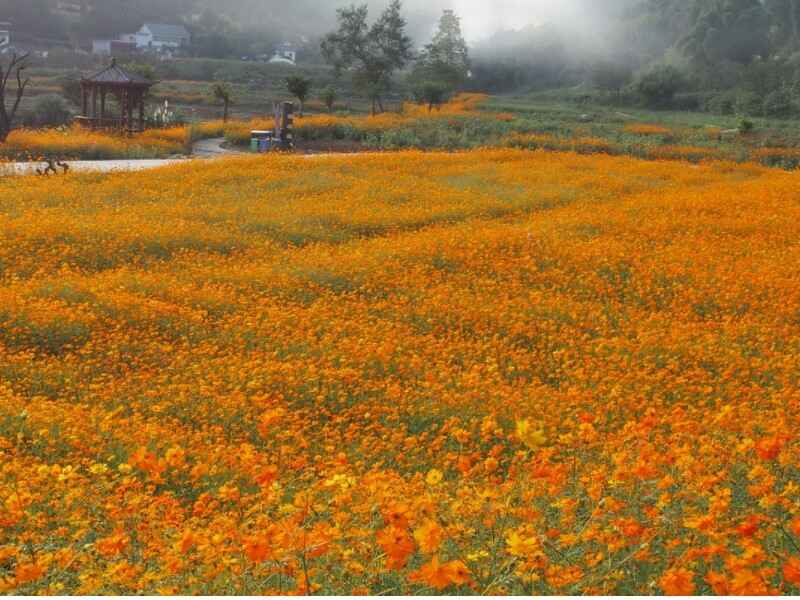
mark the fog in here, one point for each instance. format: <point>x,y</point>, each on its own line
<point>480,20</point>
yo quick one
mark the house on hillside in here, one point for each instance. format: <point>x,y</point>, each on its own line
<point>155,36</point>
<point>5,35</point>
<point>285,53</point>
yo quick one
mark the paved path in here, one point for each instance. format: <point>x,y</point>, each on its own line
<point>204,149</point>
<point>90,166</point>
<point>213,148</point>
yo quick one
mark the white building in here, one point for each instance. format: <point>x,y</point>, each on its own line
<point>285,53</point>
<point>101,47</point>
<point>5,34</point>
<point>154,36</point>
<point>115,47</point>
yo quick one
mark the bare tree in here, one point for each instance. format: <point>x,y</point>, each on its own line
<point>222,92</point>
<point>16,67</point>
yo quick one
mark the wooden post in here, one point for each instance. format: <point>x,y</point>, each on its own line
<point>287,126</point>
<point>141,111</point>
<point>94,103</point>
<point>85,100</point>
<point>102,107</point>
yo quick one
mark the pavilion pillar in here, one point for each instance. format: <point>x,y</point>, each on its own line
<point>94,102</point>
<point>130,112</point>
<point>102,106</point>
<point>141,111</point>
<point>123,99</point>
<point>85,101</point>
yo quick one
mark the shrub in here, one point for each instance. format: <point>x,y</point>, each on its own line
<point>49,111</point>
<point>658,87</point>
<point>746,126</point>
<point>431,93</point>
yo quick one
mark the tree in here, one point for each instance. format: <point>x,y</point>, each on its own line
<point>71,89</point>
<point>300,88</point>
<point>446,58</point>
<point>223,93</point>
<point>372,53</point>
<point>329,96</point>
<point>785,17</point>
<point>15,67</point>
<point>728,30</point>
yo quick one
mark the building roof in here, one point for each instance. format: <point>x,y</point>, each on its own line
<point>167,31</point>
<point>114,75</point>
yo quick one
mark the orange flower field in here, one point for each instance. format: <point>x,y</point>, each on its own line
<point>77,142</point>
<point>492,372</point>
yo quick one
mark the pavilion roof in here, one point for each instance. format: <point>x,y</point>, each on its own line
<point>116,75</point>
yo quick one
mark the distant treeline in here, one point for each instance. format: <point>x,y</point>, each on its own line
<point>719,55</point>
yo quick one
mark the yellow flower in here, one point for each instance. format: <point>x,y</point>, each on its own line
<point>531,434</point>
<point>434,477</point>
<point>98,469</point>
<point>522,543</point>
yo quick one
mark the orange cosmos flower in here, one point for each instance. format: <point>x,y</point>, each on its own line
<point>748,583</point>
<point>718,583</point>
<point>397,545</point>
<point>397,514</point>
<point>440,576</point>
<point>749,527</point>
<point>769,448</point>
<point>791,571</point>
<point>677,582</point>
<point>257,549</point>
<point>113,545</point>
<point>794,526</point>
<point>28,572</point>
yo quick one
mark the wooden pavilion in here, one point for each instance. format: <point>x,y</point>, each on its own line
<point>128,89</point>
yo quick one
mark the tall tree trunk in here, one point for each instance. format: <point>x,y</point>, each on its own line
<point>5,126</point>
<point>225,112</point>
<point>17,66</point>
